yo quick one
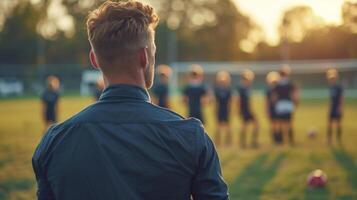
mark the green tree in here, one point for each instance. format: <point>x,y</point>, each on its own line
<point>19,38</point>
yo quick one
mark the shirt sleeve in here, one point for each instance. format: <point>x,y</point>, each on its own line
<point>208,182</point>
<point>44,191</point>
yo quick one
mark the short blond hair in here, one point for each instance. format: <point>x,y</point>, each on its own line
<point>116,28</point>
<point>247,74</point>
<point>223,76</point>
<point>196,70</point>
<point>164,70</point>
<point>53,82</point>
<point>332,73</point>
<point>272,77</point>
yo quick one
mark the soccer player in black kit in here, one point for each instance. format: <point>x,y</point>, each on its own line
<point>285,96</point>
<point>50,98</point>
<point>336,105</point>
<point>272,80</point>
<point>223,96</point>
<point>195,93</point>
<point>161,88</point>
<point>247,115</point>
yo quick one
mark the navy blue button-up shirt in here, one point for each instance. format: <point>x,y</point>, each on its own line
<point>124,147</point>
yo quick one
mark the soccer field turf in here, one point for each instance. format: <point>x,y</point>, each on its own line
<point>266,173</point>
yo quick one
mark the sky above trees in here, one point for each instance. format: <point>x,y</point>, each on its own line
<point>268,13</point>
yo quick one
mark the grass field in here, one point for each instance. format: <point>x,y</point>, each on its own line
<point>267,173</point>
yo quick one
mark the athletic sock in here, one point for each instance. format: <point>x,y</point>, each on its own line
<point>275,137</point>
<point>291,136</point>
<point>280,138</point>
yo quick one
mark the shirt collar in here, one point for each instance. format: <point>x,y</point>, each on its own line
<point>124,91</point>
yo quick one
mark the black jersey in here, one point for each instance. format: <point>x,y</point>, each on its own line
<point>336,93</point>
<point>284,90</point>
<point>50,100</point>
<point>223,96</point>
<point>194,93</point>
<point>161,91</point>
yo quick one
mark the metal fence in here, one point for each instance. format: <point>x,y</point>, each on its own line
<point>308,74</point>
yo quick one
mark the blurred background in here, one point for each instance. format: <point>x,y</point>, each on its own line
<point>39,38</point>
<point>43,37</point>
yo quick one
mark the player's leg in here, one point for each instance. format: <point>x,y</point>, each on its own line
<point>49,119</point>
<point>289,132</point>
<point>329,130</point>
<point>273,126</point>
<point>278,132</point>
<point>290,129</point>
<point>228,135</point>
<point>283,131</point>
<point>222,126</point>
<point>255,132</point>
<point>220,129</point>
<point>242,134</point>
<point>225,119</point>
<point>275,131</point>
<point>339,130</point>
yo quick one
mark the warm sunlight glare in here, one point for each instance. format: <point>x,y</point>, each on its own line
<point>268,13</point>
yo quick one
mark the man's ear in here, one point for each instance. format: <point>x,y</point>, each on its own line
<point>93,59</point>
<point>143,57</point>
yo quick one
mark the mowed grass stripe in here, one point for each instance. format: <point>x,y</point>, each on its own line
<point>251,181</point>
<point>346,161</point>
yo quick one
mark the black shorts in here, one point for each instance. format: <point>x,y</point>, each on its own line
<point>335,115</point>
<point>284,117</point>
<point>222,117</point>
<point>247,116</point>
<point>272,114</point>
<point>50,117</point>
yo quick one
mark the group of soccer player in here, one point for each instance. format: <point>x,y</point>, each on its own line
<point>282,98</point>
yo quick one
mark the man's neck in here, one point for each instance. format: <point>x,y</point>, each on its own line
<point>124,80</point>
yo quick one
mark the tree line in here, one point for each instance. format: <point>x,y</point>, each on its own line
<point>202,30</point>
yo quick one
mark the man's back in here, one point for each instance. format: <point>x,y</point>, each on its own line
<point>123,147</point>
